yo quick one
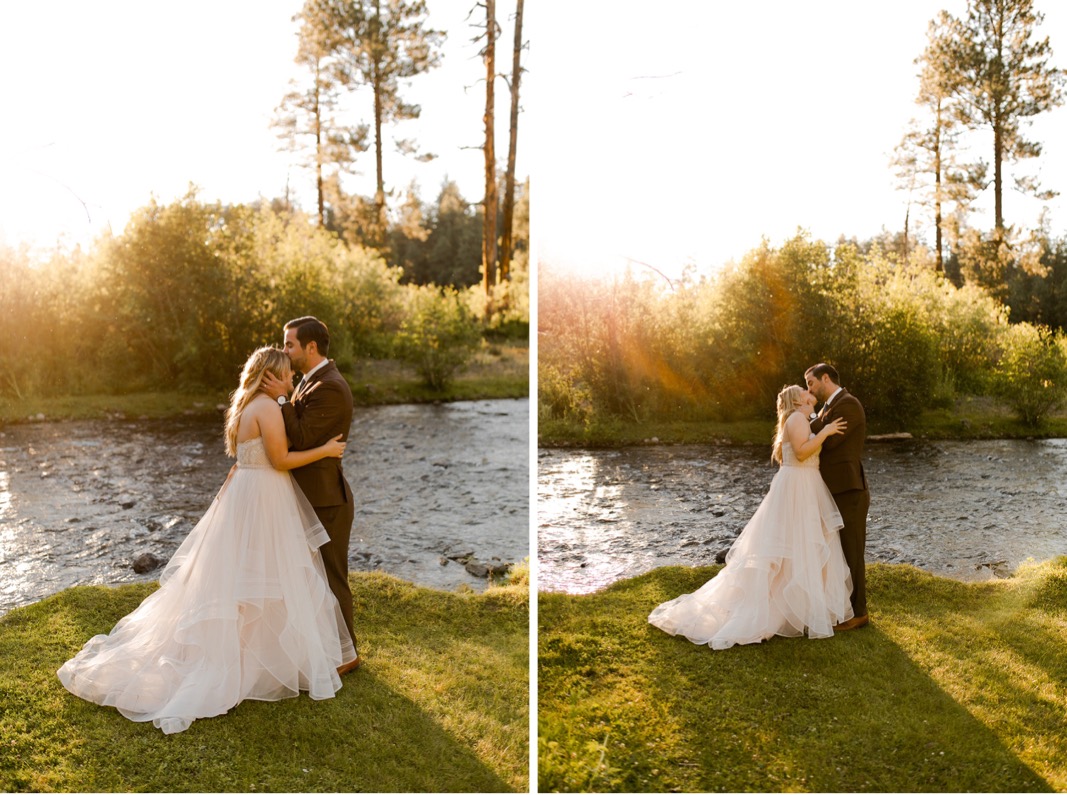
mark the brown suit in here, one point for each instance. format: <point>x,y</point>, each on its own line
<point>312,419</point>
<point>841,465</point>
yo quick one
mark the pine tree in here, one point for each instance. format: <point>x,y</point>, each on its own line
<point>1002,77</point>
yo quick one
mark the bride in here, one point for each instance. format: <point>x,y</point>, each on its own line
<point>243,610</point>
<point>785,572</point>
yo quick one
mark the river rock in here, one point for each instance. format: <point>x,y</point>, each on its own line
<point>499,569</point>
<point>146,562</point>
<point>476,569</point>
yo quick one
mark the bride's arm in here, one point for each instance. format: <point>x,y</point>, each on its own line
<point>272,427</point>
<point>798,432</point>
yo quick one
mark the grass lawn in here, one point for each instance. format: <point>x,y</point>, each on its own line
<point>953,687</point>
<point>440,704</point>
<point>496,371</point>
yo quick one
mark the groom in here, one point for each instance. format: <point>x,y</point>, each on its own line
<point>320,408</point>
<point>842,468</point>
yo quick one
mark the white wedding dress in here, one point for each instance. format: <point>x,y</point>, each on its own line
<point>785,572</point>
<point>243,611</point>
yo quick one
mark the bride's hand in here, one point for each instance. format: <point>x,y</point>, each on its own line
<point>334,448</point>
<point>274,386</point>
<point>835,426</point>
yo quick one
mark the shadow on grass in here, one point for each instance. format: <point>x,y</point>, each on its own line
<point>625,707</point>
<point>377,734</point>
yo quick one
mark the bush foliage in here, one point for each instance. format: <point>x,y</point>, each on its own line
<point>720,348</point>
<point>189,289</point>
<point>438,336</point>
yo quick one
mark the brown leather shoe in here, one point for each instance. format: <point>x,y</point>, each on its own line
<point>350,666</point>
<point>853,623</point>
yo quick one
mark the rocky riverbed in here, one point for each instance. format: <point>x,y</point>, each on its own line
<point>442,495</point>
<point>969,510</point>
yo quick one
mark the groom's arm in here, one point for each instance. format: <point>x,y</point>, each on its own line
<point>313,419</point>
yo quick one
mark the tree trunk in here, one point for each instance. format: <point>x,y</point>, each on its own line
<point>319,154</point>
<point>376,44</point>
<point>489,248</point>
<point>998,178</point>
<point>509,181</point>
<point>907,220</point>
<point>937,190</point>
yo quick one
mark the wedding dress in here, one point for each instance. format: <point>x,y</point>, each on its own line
<point>785,572</point>
<point>243,611</point>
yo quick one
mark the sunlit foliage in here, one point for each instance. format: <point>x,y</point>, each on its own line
<point>1031,372</point>
<point>438,336</point>
<point>903,337</point>
<point>179,299</point>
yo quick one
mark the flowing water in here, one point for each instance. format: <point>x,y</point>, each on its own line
<point>80,500</point>
<point>968,510</point>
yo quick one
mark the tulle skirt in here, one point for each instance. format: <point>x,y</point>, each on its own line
<point>784,574</point>
<point>243,612</point>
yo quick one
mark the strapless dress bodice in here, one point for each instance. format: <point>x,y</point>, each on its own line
<point>252,453</point>
<point>789,458</point>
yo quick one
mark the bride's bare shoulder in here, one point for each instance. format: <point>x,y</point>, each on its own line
<point>260,404</point>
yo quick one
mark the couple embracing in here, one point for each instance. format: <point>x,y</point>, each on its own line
<point>255,603</point>
<point>798,565</point>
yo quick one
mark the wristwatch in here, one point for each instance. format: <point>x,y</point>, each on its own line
<point>282,400</point>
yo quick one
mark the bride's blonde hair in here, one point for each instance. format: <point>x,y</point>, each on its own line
<point>788,402</point>
<point>262,360</point>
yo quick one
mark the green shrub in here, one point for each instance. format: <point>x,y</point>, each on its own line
<point>560,396</point>
<point>438,336</point>
<point>1031,373</point>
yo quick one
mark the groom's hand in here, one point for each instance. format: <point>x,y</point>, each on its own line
<point>274,386</point>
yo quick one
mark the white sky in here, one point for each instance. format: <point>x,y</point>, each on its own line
<point>683,130</point>
<point>113,101</point>
<point>691,133</point>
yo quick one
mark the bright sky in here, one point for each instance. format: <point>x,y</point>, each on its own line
<point>691,133</point>
<point>110,102</point>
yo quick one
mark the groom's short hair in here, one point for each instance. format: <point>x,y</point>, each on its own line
<point>819,370</point>
<point>311,329</point>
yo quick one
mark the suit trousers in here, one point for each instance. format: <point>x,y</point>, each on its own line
<point>337,519</point>
<point>853,506</point>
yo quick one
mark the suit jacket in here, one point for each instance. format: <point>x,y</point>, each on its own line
<point>312,419</point>
<point>840,461</point>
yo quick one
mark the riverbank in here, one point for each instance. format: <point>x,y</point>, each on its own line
<point>440,705</point>
<point>498,371</point>
<point>953,687</point>
<point>969,418</point>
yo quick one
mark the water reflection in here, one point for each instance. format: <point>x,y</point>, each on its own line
<point>969,510</point>
<point>5,494</point>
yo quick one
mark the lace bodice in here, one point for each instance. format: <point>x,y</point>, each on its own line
<point>252,453</point>
<point>789,458</point>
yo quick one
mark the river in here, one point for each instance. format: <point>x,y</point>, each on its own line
<point>969,510</point>
<point>79,500</point>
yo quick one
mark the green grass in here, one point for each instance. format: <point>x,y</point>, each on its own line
<point>440,704</point>
<point>969,418</point>
<point>953,687</point>
<point>983,418</point>
<point>497,371</point>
